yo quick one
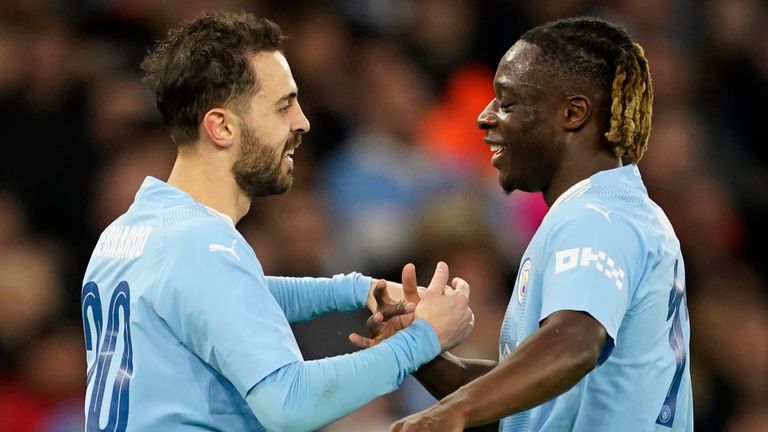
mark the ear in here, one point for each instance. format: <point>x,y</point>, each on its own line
<point>218,126</point>
<point>578,110</point>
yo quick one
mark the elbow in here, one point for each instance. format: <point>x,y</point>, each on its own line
<point>272,405</point>
<point>286,421</point>
<point>272,424</point>
<point>279,413</point>
<point>274,420</point>
<point>585,353</point>
<point>579,350</point>
<point>584,360</point>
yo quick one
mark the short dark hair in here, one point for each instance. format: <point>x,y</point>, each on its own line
<point>605,55</point>
<point>203,64</point>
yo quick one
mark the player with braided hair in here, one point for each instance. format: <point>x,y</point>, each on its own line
<point>596,333</point>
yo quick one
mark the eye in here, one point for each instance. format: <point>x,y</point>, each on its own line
<point>506,107</point>
<point>287,107</point>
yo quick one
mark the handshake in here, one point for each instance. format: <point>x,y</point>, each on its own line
<point>394,306</point>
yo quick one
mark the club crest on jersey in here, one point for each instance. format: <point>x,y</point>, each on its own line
<point>525,277</point>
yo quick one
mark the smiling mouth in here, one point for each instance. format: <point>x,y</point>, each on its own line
<point>496,147</point>
<point>291,147</point>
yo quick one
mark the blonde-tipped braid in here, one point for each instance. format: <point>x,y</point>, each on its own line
<point>632,99</point>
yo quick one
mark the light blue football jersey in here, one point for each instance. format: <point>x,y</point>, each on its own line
<point>181,323</point>
<point>148,310</point>
<point>606,249</point>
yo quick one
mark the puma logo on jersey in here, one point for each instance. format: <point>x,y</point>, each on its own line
<point>216,247</point>
<point>599,210</point>
<point>568,259</point>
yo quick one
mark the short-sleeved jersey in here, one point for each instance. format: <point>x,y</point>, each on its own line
<point>179,321</point>
<point>606,249</point>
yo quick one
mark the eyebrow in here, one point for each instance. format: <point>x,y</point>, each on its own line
<point>504,84</point>
<point>286,98</point>
<point>516,90</point>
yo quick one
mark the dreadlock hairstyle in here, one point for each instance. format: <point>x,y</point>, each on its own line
<point>591,49</point>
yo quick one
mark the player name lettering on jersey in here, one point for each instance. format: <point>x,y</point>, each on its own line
<point>569,258</point>
<point>122,241</point>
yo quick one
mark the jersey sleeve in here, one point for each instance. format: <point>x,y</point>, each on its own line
<point>305,298</point>
<point>593,261</point>
<point>216,301</point>
<point>305,396</point>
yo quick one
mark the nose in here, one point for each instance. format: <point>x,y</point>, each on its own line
<point>301,124</point>
<point>487,119</point>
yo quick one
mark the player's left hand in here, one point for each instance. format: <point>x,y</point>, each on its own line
<point>390,315</point>
<point>437,418</point>
<point>386,294</point>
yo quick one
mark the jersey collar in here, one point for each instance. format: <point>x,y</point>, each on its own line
<point>154,187</point>
<point>576,190</point>
<point>627,174</point>
<point>224,216</point>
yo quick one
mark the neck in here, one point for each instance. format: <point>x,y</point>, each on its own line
<point>209,181</point>
<point>574,169</point>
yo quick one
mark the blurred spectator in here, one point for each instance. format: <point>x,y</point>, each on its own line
<point>679,179</point>
<point>120,178</point>
<point>13,221</point>
<point>30,292</point>
<point>449,129</point>
<point>46,395</point>
<point>42,379</point>
<point>440,34</point>
<point>455,230</point>
<point>730,348</point>
<point>320,43</point>
<point>119,122</point>
<point>381,180</point>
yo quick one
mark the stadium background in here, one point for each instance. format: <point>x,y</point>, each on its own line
<point>393,171</point>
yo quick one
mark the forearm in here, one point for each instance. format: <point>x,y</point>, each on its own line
<point>546,365</point>
<point>446,373</point>
<point>307,395</point>
<point>305,298</point>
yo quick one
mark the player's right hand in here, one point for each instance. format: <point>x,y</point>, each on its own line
<point>446,308</point>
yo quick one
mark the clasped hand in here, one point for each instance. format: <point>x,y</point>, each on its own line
<point>445,307</point>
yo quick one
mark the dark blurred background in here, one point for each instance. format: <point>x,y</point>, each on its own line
<point>393,171</point>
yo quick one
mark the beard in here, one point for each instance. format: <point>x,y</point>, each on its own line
<point>508,186</point>
<point>257,170</point>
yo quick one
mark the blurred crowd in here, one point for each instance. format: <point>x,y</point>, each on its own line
<point>393,171</point>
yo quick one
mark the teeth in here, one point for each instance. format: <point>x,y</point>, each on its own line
<point>497,148</point>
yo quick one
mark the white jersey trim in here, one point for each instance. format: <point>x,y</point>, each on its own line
<point>574,191</point>
<point>221,215</point>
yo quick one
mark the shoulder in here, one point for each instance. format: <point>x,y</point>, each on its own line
<point>596,219</point>
<point>199,241</point>
<point>592,211</point>
<point>185,225</point>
